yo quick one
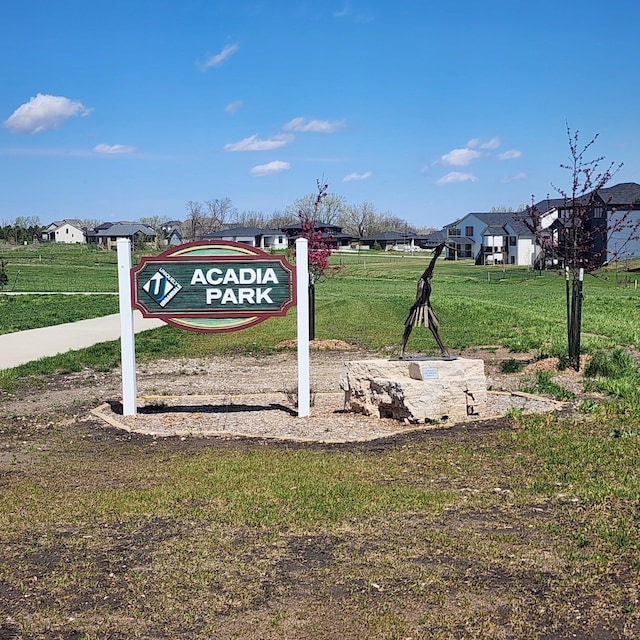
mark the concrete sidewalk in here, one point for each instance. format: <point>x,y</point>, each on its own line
<point>25,346</point>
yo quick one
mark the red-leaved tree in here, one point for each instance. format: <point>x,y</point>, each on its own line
<point>319,250</point>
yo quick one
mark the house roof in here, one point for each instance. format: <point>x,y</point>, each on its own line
<point>497,222</point>
<point>494,230</point>
<point>436,237</point>
<point>126,230</point>
<point>461,240</point>
<point>336,235</point>
<point>623,194</point>
<point>547,204</point>
<point>244,232</point>
<point>104,225</point>
<point>74,222</point>
<point>297,226</point>
<point>390,236</point>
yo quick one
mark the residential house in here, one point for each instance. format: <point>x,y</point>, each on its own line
<point>330,234</point>
<point>265,239</point>
<point>107,235</point>
<point>68,231</point>
<point>401,241</point>
<point>612,220</point>
<point>491,238</point>
<point>92,235</point>
<point>169,226</point>
<point>622,202</point>
<point>174,238</point>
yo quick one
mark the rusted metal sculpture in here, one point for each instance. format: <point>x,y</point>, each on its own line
<point>421,313</point>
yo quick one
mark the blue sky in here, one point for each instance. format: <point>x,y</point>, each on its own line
<point>115,110</point>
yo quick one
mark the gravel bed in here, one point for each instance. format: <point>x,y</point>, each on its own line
<point>255,397</point>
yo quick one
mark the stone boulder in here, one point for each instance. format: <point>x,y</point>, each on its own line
<point>416,390</point>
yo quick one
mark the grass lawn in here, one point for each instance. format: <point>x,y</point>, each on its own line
<point>525,527</point>
<point>521,529</point>
<point>364,303</point>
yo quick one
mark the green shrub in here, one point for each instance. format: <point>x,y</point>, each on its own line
<point>4,278</point>
<point>511,366</point>
<point>547,385</point>
<point>614,364</point>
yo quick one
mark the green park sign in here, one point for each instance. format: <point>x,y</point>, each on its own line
<point>213,286</point>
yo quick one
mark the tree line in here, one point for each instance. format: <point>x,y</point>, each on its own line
<point>358,220</point>
<point>22,229</point>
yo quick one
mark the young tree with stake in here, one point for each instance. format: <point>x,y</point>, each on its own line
<point>577,239</point>
<point>319,250</point>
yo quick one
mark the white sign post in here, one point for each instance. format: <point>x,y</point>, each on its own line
<point>127,339</point>
<point>302,314</point>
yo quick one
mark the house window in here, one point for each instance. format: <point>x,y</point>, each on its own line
<point>512,241</point>
<point>597,212</point>
<point>468,231</point>
<point>453,231</point>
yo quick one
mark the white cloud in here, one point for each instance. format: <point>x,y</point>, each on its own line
<point>474,143</point>
<point>511,154</point>
<point>253,143</point>
<point>42,113</point>
<point>354,14</point>
<point>276,166</point>
<point>316,126</point>
<point>460,157</point>
<point>217,59</point>
<point>113,149</point>
<point>494,143</point>
<point>232,107</point>
<point>519,176</point>
<point>455,176</point>
<point>357,176</point>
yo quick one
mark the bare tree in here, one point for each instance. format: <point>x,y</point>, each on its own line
<point>155,222</point>
<point>250,219</point>
<point>332,208</point>
<point>577,237</point>
<point>329,210</point>
<point>389,222</point>
<point>424,231</point>
<point>280,220</point>
<point>91,223</point>
<point>196,220</point>
<point>501,209</point>
<point>220,211</point>
<point>359,219</point>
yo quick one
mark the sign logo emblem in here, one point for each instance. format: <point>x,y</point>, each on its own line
<point>162,287</point>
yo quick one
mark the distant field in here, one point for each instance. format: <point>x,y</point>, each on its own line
<point>55,267</point>
<point>365,303</point>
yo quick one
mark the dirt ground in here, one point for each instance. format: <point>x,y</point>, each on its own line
<point>361,580</point>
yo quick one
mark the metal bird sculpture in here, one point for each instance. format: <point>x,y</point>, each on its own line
<point>421,312</point>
